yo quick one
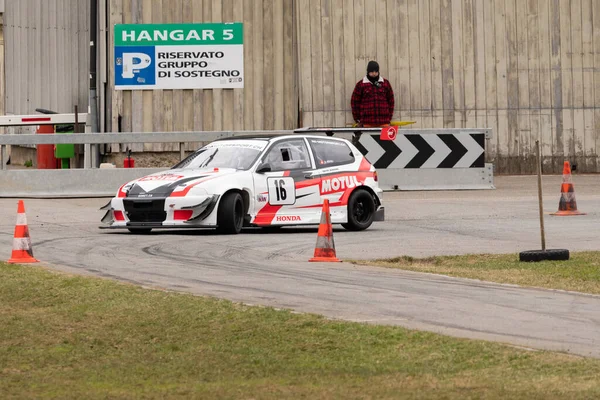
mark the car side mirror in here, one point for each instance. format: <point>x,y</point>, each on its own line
<point>262,168</point>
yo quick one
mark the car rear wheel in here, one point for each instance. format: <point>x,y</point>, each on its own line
<point>230,217</point>
<point>361,211</point>
<point>140,231</point>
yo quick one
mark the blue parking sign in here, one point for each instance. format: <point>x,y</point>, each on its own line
<point>135,65</point>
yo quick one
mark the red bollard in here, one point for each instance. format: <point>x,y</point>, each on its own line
<point>45,152</point>
<point>129,163</point>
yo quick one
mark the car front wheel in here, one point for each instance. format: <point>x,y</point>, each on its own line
<point>361,211</point>
<point>230,216</point>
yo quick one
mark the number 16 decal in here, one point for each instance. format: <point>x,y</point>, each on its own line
<point>282,191</point>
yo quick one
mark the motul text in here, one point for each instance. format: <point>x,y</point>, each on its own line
<point>336,184</point>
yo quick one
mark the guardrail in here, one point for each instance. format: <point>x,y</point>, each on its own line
<point>93,139</point>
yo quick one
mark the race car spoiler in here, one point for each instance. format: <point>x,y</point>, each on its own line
<point>332,131</point>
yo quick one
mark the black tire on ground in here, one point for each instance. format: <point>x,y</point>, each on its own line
<point>140,231</point>
<point>541,255</point>
<point>361,210</point>
<point>230,216</point>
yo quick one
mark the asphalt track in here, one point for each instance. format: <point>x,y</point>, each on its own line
<point>271,269</point>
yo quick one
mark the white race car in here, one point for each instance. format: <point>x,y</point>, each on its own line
<point>254,181</point>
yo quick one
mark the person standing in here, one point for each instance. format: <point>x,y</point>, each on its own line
<point>372,100</point>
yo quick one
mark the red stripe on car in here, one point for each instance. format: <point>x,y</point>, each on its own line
<point>121,193</point>
<point>365,165</point>
<point>307,183</point>
<point>184,192</point>
<point>266,215</point>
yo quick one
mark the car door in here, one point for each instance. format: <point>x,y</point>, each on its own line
<point>338,168</point>
<point>284,184</point>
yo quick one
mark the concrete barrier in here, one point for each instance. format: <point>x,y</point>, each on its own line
<point>56,183</point>
<point>437,179</point>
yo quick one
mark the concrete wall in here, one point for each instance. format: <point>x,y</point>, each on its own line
<point>68,182</point>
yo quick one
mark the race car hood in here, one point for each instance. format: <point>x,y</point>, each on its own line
<point>162,184</point>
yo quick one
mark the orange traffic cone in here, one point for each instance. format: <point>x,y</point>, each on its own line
<point>22,251</point>
<point>567,204</point>
<point>325,248</point>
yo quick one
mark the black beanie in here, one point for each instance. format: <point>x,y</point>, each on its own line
<point>372,67</point>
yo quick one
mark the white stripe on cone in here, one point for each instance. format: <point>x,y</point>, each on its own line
<point>21,219</point>
<point>569,196</point>
<point>22,243</point>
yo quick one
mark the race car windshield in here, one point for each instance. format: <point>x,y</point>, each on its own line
<point>238,157</point>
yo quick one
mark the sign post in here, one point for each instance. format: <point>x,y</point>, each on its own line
<point>179,56</point>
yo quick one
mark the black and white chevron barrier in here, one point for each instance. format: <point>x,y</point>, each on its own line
<point>423,159</point>
<point>415,150</point>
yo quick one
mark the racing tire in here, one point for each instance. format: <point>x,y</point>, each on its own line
<point>230,216</point>
<point>361,211</point>
<point>541,255</point>
<point>140,231</point>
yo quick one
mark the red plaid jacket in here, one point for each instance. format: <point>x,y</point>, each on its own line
<point>372,105</point>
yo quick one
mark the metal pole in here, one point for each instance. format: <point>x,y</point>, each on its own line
<point>87,148</point>
<point>92,94</point>
<point>3,159</point>
<point>539,179</point>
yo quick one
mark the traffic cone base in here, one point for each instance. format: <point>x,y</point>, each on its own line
<point>567,213</point>
<point>324,259</point>
<point>22,250</point>
<point>325,247</point>
<point>567,204</point>
<point>21,257</point>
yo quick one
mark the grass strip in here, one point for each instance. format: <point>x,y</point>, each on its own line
<point>65,336</point>
<point>581,273</point>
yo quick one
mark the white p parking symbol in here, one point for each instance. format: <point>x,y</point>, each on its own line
<point>133,62</point>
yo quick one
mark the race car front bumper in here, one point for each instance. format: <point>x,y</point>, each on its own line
<point>158,212</point>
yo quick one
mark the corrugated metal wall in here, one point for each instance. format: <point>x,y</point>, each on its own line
<point>47,55</point>
<point>269,97</point>
<point>526,68</point>
<point>2,74</point>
